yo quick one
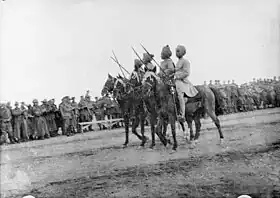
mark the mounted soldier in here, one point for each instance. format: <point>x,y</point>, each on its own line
<point>183,86</point>
<point>137,72</point>
<point>147,60</point>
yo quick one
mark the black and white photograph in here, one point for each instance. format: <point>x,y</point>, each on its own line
<point>140,98</point>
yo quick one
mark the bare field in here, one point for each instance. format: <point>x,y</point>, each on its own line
<point>94,164</point>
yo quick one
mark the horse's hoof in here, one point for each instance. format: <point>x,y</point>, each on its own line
<point>124,145</point>
<point>221,142</point>
<point>174,150</point>
<point>151,147</point>
<point>140,147</point>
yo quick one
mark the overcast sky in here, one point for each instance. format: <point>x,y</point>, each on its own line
<point>52,48</point>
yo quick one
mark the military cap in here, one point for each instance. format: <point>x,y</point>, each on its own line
<point>137,63</point>
<point>72,98</point>
<point>44,101</point>
<point>16,103</point>
<point>147,57</point>
<point>35,101</point>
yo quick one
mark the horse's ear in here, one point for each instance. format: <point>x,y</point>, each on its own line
<point>109,76</point>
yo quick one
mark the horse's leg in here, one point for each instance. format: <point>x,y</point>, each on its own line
<point>189,122</point>
<point>172,121</point>
<point>152,123</point>
<point>135,124</point>
<point>142,124</point>
<point>126,125</point>
<point>216,120</point>
<point>197,127</point>
<point>161,125</point>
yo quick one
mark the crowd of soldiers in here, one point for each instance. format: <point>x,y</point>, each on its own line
<point>29,122</point>
<point>256,94</point>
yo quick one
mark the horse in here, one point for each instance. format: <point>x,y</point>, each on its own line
<point>203,102</point>
<point>130,105</point>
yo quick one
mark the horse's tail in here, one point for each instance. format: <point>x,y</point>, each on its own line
<point>218,99</point>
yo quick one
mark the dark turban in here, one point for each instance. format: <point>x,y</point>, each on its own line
<point>166,52</point>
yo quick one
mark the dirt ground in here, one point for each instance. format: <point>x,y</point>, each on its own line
<point>94,164</point>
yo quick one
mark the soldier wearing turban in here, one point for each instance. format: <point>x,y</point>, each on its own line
<point>167,64</point>
<point>183,85</point>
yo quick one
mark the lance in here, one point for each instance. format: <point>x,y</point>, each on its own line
<point>118,65</point>
<point>137,55</point>
<point>116,60</point>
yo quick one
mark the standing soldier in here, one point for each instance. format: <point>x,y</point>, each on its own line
<point>50,117</point>
<point>5,124</point>
<point>40,122</point>
<point>24,121</point>
<point>16,112</point>
<point>75,114</point>
<point>66,112</point>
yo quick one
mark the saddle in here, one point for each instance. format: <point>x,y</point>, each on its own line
<point>196,98</point>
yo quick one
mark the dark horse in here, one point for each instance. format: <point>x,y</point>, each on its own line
<point>196,107</point>
<point>154,108</point>
<point>130,103</point>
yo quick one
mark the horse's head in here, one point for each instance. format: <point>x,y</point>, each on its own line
<point>119,88</point>
<point>149,84</point>
<point>108,86</point>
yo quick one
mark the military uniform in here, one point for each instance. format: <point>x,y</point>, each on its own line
<point>66,112</point>
<point>24,121</point>
<point>19,124</point>
<point>41,127</point>
<point>75,114</point>
<point>5,124</point>
<point>85,114</point>
<point>149,67</point>
<point>183,85</point>
<point>138,72</point>
<point>50,117</point>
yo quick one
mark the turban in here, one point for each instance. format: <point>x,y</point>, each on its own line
<point>166,52</point>
<point>147,57</point>
<point>137,63</point>
<point>181,50</point>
